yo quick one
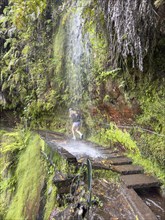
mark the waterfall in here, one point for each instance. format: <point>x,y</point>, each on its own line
<point>75,51</point>
<point>130,30</point>
<point>131,27</point>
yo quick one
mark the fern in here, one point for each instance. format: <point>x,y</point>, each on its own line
<point>115,135</point>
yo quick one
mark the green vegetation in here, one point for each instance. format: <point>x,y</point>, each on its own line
<point>106,174</point>
<point>51,202</point>
<point>151,143</point>
<point>151,163</point>
<point>97,36</point>
<point>27,167</point>
<point>26,60</point>
<point>44,71</point>
<point>23,175</point>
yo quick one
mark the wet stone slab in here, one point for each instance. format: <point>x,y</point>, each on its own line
<point>120,160</point>
<point>96,165</point>
<point>112,164</point>
<point>138,181</point>
<point>115,205</point>
<point>128,169</point>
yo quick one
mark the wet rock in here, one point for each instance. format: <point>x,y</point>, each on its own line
<point>113,205</point>
<point>62,182</point>
<point>72,212</point>
<point>140,181</point>
<point>112,89</point>
<point>120,161</point>
<point>128,169</point>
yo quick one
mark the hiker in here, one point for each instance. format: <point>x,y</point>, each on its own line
<point>76,123</point>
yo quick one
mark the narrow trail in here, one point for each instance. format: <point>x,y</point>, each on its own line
<point>132,176</point>
<point>106,158</point>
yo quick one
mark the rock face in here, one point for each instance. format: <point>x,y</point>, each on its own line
<point>118,107</point>
<point>160,11</point>
<point>112,202</point>
<point>109,203</point>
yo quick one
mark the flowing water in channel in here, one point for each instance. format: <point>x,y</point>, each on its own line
<point>80,149</point>
<point>154,200</point>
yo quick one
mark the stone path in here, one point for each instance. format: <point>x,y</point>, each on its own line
<point>132,176</point>
<point>102,158</point>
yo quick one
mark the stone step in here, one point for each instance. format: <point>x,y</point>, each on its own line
<point>111,155</point>
<point>120,161</point>
<point>128,169</point>
<point>100,166</point>
<point>138,181</point>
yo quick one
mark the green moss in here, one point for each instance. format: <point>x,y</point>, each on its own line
<point>59,49</point>
<point>29,180</point>
<point>2,132</point>
<point>24,175</point>
<point>50,194</point>
<point>98,40</point>
<point>59,162</point>
<point>106,174</point>
<point>152,102</point>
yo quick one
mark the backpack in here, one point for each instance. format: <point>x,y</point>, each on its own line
<point>76,117</point>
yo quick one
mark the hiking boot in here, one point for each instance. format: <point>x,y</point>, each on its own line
<point>81,136</point>
<point>73,138</point>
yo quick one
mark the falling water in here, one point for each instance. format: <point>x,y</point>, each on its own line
<point>77,52</point>
<point>131,26</point>
<point>130,31</point>
<point>74,51</point>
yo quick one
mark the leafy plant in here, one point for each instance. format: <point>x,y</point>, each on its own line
<point>115,135</point>
<point>111,73</point>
